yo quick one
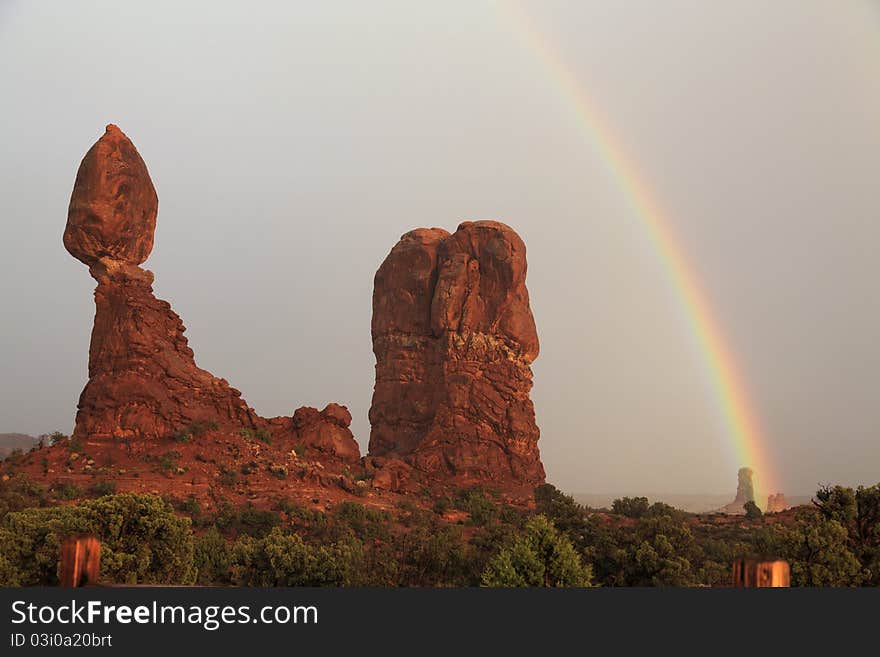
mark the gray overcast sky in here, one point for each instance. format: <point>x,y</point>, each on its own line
<point>292,143</point>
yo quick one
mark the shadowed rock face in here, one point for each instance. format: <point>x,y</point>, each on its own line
<point>143,379</point>
<point>454,339</point>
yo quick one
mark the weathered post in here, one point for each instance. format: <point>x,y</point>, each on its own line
<point>80,561</point>
<point>753,573</point>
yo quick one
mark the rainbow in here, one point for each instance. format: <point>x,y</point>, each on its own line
<point>727,384</point>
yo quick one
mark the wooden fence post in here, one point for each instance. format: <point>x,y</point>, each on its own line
<point>754,573</point>
<point>80,561</point>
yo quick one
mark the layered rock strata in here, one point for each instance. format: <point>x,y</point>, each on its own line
<point>454,339</point>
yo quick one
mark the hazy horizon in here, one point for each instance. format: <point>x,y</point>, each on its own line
<point>292,144</point>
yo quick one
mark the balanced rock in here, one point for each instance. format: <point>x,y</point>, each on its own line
<point>113,208</point>
<point>143,379</point>
<point>454,339</point>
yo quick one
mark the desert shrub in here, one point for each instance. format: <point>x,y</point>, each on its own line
<point>212,558</point>
<point>817,549</point>
<point>194,430</point>
<point>56,438</point>
<point>432,554</point>
<point>18,492</point>
<point>753,511</point>
<point>858,511</point>
<point>355,519</point>
<point>264,436</point>
<point>66,491</point>
<point>306,520</point>
<point>167,463</point>
<point>142,541</point>
<point>631,507</point>
<point>539,556</point>
<point>280,559</point>
<point>14,456</point>
<point>191,506</point>
<point>561,509</point>
<point>255,522</point>
<point>442,505</point>
<point>477,504</point>
<point>228,477</point>
<point>100,488</point>
<point>248,521</point>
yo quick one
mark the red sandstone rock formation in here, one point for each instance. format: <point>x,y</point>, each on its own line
<point>454,339</point>
<point>325,431</point>
<point>777,503</point>
<point>143,380</point>
<point>745,492</point>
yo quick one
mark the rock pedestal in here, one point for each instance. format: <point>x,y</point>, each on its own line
<point>143,379</point>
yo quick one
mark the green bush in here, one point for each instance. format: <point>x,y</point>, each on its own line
<point>281,559</point>
<point>66,492</point>
<point>142,541</point>
<point>479,507</point>
<point>631,507</point>
<point>191,506</point>
<point>212,558</point>
<point>540,556</point>
<point>753,511</point>
<point>100,488</point>
<point>56,438</point>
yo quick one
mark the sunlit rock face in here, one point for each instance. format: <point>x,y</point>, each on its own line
<point>454,340</point>
<point>112,213</point>
<point>143,379</point>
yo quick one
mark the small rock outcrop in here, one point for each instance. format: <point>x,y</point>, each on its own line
<point>745,492</point>
<point>324,431</point>
<point>776,503</point>
<point>143,379</point>
<point>454,339</point>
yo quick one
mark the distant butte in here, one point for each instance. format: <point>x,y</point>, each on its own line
<point>745,492</point>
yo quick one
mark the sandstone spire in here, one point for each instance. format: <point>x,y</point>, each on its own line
<point>454,339</point>
<point>745,492</point>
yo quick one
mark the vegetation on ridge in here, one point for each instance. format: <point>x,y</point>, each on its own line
<point>468,539</point>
